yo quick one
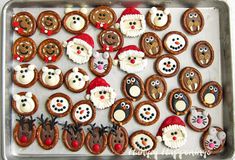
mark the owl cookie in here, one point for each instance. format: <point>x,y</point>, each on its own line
<point>102,17</point>
<point>211,94</point>
<point>179,102</point>
<point>25,103</point>
<point>24,24</point>
<point>51,77</point>
<point>121,111</point>
<point>24,49</point>
<point>151,44</point>
<point>133,87</point>
<point>190,79</point>
<point>155,88</point>
<point>25,75</point>
<point>76,80</point>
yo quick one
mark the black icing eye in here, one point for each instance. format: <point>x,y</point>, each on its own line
<point>173,39</point>
<point>145,139</point>
<point>175,133</point>
<point>109,36</point>
<point>104,15</point>
<point>79,79</point>
<point>148,109</point>
<point>61,101</point>
<point>78,47</point>
<point>74,18</point>
<point>214,142</point>
<point>157,14</point>
<point>100,92</point>
<point>78,18</point>
<point>26,47</point>
<point>82,49</point>
<point>79,108</point>
<point>134,23</point>
<point>172,133</point>
<point>57,100</point>
<point>130,23</point>
<point>177,38</point>
<point>145,109</point>
<point>104,92</point>
<point>100,14</point>
<point>141,138</point>
<point>211,140</point>
<point>129,58</point>
<point>161,14</point>
<point>21,71</point>
<point>76,76</point>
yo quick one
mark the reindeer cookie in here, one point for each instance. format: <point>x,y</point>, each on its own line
<point>25,103</point>
<point>25,75</point>
<point>51,77</point>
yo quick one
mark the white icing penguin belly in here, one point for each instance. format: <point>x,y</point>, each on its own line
<point>135,91</point>
<point>209,98</point>
<point>180,105</point>
<point>119,115</point>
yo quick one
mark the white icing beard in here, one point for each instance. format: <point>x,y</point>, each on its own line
<point>83,113</point>
<point>140,143</point>
<point>59,105</point>
<point>140,65</point>
<point>199,122</point>
<point>76,80</point>
<point>51,80</point>
<point>25,106</point>
<point>172,40</point>
<point>147,113</point>
<point>167,69</point>
<point>74,24</point>
<point>25,77</point>
<point>159,20</point>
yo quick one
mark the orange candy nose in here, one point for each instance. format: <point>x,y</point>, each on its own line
<point>177,42</point>
<point>59,104</point>
<point>82,111</point>
<point>144,143</point>
<point>147,113</point>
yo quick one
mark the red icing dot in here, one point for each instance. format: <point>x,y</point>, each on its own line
<point>23,139</point>
<point>96,148</point>
<point>132,61</point>
<point>48,141</point>
<point>118,147</point>
<point>75,144</point>
<point>174,138</point>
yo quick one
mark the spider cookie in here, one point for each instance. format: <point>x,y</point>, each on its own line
<point>198,119</point>
<point>142,142</point>
<point>102,17</point>
<point>167,65</point>
<point>100,64</point>
<point>151,44</point>
<point>24,49</point>
<point>73,136</point>
<point>24,24</point>
<point>190,79</point>
<point>83,112</point>
<point>155,88</point>
<point>193,21</point>
<point>76,80</point>
<point>133,87</point>
<point>175,42</point>
<point>51,77</point>
<point>59,104</point>
<point>118,140</point>
<point>50,50</point>
<point>24,132</point>
<point>25,103</point>
<point>158,18</point>
<point>146,113</point>
<point>49,22</point>
<point>25,75</point>
<point>203,54</point>
<point>121,111</point>
<point>213,140</point>
<point>179,102</point>
<point>211,94</point>
<point>47,132</point>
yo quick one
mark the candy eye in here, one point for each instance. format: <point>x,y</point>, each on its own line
<point>157,82</point>
<point>192,74</point>
<point>132,79</point>
<point>128,81</point>
<point>187,75</point>
<point>180,95</point>
<point>127,106</point>
<point>211,88</point>
<point>215,89</point>
<point>176,96</point>
<point>201,49</point>
<point>195,15</point>
<point>147,40</point>
<point>123,104</point>
<point>205,49</point>
<point>190,15</point>
<point>152,83</point>
<point>151,38</point>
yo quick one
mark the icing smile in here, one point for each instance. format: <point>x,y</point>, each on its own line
<point>83,113</point>
<point>145,147</point>
<point>176,47</point>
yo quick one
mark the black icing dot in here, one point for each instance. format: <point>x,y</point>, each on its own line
<point>77,112</point>
<point>80,118</point>
<point>53,106</point>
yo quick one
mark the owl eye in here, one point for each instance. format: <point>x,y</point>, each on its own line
<point>201,49</point>
<point>128,81</point>
<point>190,15</point>
<point>132,79</point>
<point>180,95</point>
<point>123,104</point>
<point>215,89</point>
<point>211,87</point>
<point>192,74</point>
<point>205,49</point>
<point>176,96</point>
<point>187,75</point>
<point>157,82</point>
<point>147,40</point>
<point>195,15</point>
<point>153,83</point>
<point>127,106</point>
<point>151,38</point>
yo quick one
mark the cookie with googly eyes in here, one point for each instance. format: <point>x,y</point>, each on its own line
<point>211,94</point>
<point>146,113</point>
<point>51,77</point>
<point>133,87</point>
<point>121,111</point>
<point>49,22</point>
<point>24,24</point>
<point>151,44</point>
<point>179,102</point>
<point>190,79</point>
<point>76,80</point>
<point>83,112</point>
<point>59,104</point>
<point>193,21</point>
<point>203,54</point>
<point>155,88</point>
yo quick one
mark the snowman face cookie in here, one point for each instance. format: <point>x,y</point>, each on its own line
<point>25,103</point>
<point>25,75</point>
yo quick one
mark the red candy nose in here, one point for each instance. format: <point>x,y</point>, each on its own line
<point>132,27</point>
<point>177,42</point>
<point>48,141</point>
<point>78,51</point>
<point>174,138</point>
<point>96,148</point>
<point>132,61</point>
<point>118,147</point>
<point>101,97</point>
<point>75,144</point>
<point>23,139</point>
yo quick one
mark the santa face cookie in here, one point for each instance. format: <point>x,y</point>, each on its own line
<point>24,132</point>
<point>100,93</point>
<point>102,17</point>
<point>25,103</point>
<point>167,65</point>
<point>131,22</point>
<point>25,75</point>
<point>76,80</point>
<point>203,54</point>
<point>50,50</point>
<point>24,49</point>
<point>118,140</point>
<point>83,112</point>
<point>175,42</point>
<point>213,140</point>
<point>121,111</point>
<point>190,79</point>
<point>24,24</point>
<point>51,77</point>
<point>193,21</point>
<point>142,142</point>
<point>73,136</point>
<point>158,18</point>
<point>211,94</point>
<point>151,44</point>
<point>179,102</point>
<point>155,88</point>
<point>59,104</point>
<point>133,87</point>
<point>146,113</point>
<point>49,22</point>
<point>198,119</point>
<point>100,64</point>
